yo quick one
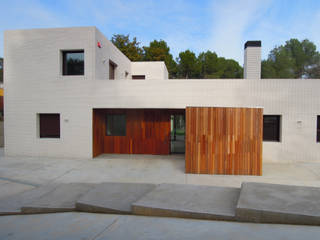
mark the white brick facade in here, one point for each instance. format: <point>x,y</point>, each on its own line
<point>34,84</point>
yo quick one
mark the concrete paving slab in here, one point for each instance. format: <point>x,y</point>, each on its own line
<point>62,226</point>
<point>113,197</point>
<point>62,199</point>
<point>274,203</point>
<point>9,188</point>
<point>12,204</point>
<point>146,228</point>
<point>189,201</point>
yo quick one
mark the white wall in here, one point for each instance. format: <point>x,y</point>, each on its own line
<point>109,52</point>
<point>152,70</point>
<point>252,63</point>
<point>34,84</point>
<point>293,99</point>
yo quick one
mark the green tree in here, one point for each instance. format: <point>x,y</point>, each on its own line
<point>208,64</point>
<point>232,69</point>
<point>213,66</point>
<point>128,47</point>
<point>188,65</point>
<point>160,51</point>
<point>295,59</point>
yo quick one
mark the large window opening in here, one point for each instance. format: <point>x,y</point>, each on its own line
<point>49,125</point>
<point>177,139</point>
<point>271,128</point>
<point>73,62</point>
<point>116,125</point>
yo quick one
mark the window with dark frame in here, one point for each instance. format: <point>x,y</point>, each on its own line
<point>112,70</point>
<point>271,128</point>
<point>318,128</point>
<point>138,77</point>
<point>73,62</point>
<point>49,125</point>
<point>116,125</point>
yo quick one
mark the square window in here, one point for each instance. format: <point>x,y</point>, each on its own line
<point>73,62</point>
<point>49,125</point>
<point>116,125</point>
<point>271,128</point>
<point>318,128</point>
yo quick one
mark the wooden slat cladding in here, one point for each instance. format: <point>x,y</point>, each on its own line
<point>224,140</point>
<point>147,132</point>
<point>98,127</point>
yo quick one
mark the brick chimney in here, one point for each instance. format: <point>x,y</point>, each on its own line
<point>252,60</point>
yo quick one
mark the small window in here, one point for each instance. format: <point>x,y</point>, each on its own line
<point>49,125</point>
<point>271,128</point>
<point>112,70</point>
<point>138,77</point>
<point>318,128</point>
<point>116,125</point>
<point>73,62</point>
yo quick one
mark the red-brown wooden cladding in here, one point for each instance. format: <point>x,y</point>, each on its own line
<point>98,132</point>
<point>224,140</point>
<point>147,132</point>
<point>1,103</point>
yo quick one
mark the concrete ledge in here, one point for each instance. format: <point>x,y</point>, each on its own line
<point>13,204</point>
<point>273,203</point>
<point>61,199</point>
<point>112,197</point>
<point>189,201</point>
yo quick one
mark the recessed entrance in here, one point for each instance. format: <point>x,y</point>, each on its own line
<point>177,139</point>
<point>137,131</point>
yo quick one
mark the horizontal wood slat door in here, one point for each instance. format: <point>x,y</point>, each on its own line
<point>224,140</point>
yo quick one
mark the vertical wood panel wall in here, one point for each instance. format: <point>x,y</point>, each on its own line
<point>224,140</point>
<point>147,132</point>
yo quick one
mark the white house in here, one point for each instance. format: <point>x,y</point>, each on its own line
<point>57,79</point>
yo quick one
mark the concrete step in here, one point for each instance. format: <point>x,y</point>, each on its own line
<point>13,204</point>
<point>112,197</point>
<point>61,199</point>
<point>273,203</point>
<point>189,201</point>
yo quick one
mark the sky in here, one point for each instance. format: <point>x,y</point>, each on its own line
<point>222,26</point>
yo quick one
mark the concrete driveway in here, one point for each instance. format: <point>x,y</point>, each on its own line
<point>106,226</point>
<point>23,173</point>
<point>19,174</point>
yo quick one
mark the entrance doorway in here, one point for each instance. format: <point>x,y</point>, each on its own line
<point>177,136</point>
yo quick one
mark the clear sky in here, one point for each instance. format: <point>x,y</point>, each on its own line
<point>222,26</point>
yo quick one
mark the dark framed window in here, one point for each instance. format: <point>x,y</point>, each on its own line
<point>271,128</point>
<point>49,125</point>
<point>73,62</point>
<point>318,128</point>
<point>112,70</point>
<point>116,125</point>
<point>138,77</point>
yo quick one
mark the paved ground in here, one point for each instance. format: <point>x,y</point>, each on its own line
<point>26,172</point>
<point>19,174</point>
<point>103,226</point>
